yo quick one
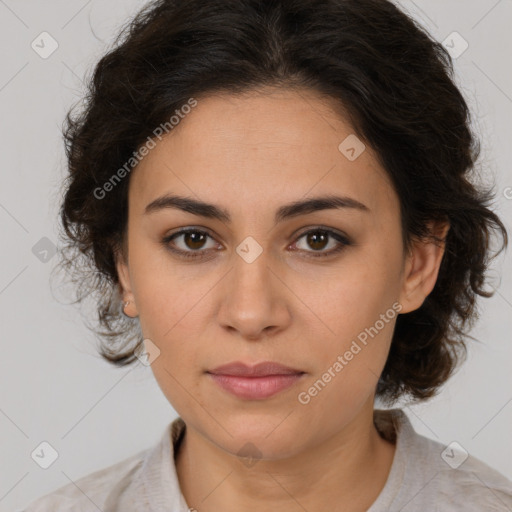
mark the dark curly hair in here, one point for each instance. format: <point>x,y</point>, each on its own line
<point>390,78</point>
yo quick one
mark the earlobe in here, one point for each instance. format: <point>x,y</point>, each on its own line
<point>422,267</point>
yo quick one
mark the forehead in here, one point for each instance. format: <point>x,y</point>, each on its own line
<point>259,149</point>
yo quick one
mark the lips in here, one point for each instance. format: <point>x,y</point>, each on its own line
<point>256,382</point>
<point>264,369</point>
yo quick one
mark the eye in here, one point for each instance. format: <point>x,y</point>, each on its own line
<point>192,241</point>
<point>318,239</point>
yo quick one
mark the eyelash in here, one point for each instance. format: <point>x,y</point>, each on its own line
<point>343,241</point>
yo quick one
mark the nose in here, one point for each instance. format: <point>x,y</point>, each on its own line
<point>254,298</point>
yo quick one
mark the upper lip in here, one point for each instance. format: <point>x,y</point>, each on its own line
<point>265,368</point>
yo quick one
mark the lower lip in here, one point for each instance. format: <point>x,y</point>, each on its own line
<point>255,388</point>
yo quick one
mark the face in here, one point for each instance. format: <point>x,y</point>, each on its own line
<point>302,290</point>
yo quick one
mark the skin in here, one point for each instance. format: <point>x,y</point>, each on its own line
<point>251,154</point>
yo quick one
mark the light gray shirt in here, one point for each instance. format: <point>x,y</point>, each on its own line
<point>425,476</point>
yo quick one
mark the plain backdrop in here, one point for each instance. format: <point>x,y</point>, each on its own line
<point>54,386</point>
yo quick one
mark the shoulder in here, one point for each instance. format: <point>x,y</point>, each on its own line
<point>463,481</point>
<point>144,481</point>
<point>93,491</point>
<point>436,475</point>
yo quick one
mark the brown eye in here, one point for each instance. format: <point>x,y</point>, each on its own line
<point>317,240</point>
<point>192,243</point>
<point>194,239</point>
<point>188,243</point>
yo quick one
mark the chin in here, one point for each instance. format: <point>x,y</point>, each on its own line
<point>266,437</point>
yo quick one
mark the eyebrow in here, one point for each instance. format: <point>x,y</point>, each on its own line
<point>294,209</point>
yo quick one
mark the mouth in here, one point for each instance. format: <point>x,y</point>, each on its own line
<point>256,382</point>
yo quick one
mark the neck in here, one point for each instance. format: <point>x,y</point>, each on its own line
<point>348,469</point>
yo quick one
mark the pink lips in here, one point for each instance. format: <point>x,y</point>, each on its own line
<point>255,382</point>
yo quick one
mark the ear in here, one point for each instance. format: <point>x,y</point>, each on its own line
<point>422,267</point>
<point>123,273</point>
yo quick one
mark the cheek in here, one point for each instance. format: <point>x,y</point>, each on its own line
<point>359,308</point>
<point>356,295</point>
<point>171,303</point>
<point>166,292</point>
<point>349,364</point>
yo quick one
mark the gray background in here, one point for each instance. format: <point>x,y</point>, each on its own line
<point>56,388</point>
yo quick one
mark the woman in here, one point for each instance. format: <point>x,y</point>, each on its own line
<point>275,199</point>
